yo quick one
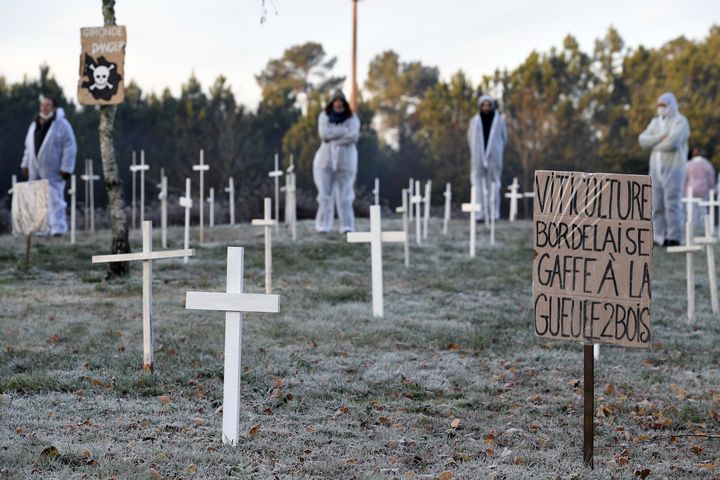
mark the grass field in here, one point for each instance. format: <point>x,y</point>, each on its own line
<point>452,383</point>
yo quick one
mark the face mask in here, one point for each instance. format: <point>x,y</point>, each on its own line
<point>662,111</point>
<point>46,116</point>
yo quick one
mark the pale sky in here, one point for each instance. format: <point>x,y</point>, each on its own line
<point>168,40</point>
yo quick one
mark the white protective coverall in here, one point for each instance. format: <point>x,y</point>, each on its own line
<point>57,153</point>
<point>486,161</point>
<point>334,172</point>
<point>667,136</point>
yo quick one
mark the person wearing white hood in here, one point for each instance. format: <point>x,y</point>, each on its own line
<point>667,136</point>
<point>335,164</point>
<point>50,151</point>
<point>487,136</point>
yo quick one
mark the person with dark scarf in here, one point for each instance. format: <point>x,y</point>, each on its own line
<point>335,164</point>
<point>487,136</point>
<point>50,151</point>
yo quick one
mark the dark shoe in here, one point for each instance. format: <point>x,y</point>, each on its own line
<point>672,243</point>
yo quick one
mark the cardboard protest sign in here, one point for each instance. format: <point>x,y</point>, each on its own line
<point>592,262</point>
<point>30,207</point>
<point>102,65</point>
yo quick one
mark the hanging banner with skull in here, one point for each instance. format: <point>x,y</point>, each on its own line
<point>102,65</point>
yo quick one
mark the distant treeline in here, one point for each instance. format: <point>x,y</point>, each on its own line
<point>565,109</point>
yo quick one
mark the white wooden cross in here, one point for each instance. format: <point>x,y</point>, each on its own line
<point>404,209</point>
<point>291,199</point>
<point>73,195</point>
<point>89,178</point>
<point>133,223</point>
<point>689,249</point>
<point>140,168</point>
<point>417,200</point>
<point>712,204</point>
<point>472,209</point>
<point>162,196</point>
<point>411,189</point>
<point>276,174</point>
<point>375,237</point>
<point>448,204</point>
<point>709,241</point>
<point>211,207</point>
<point>202,168</point>
<point>234,303</point>
<point>187,203</point>
<point>230,190</point>
<point>267,222</point>
<point>376,191</point>
<point>426,201</point>
<point>147,256</point>
<point>514,195</point>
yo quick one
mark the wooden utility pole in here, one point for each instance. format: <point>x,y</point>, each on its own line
<point>353,92</point>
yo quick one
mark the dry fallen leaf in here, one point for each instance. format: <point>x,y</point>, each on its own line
<point>642,474</point>
<point>446,475</point>
<point>164,399</point>
<point>50,452</point>
<point>192,468</point>
<point>609,389</point>
<point>155,474</point>
<point>254,430</point>
<point>455,423</point>
<point>519,460</point>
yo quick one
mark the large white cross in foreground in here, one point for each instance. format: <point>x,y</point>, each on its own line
<point>276,174</point>
<point>375,237</point>
<point>202,168</point>
<point>140,168</point>
<point>234,303</point>
<point>267,222</point>
<point>689,249</point>
<point>147,256</point>
<point>472,209</point>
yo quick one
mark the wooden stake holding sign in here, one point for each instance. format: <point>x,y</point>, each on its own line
<point>592,266</point>
<point>234,303</point>
<point>30,207</point>
<point>267,222</point>
<point>147,256</point>
<point>375,237</point>
<point>102,65</point>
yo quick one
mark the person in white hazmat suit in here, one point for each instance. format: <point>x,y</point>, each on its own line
<point>335,164</point>
<point>487,136</point>
<point>667,136</point>
<point>50,151</point>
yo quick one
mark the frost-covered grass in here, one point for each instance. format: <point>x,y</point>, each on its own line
<point>328,391</point>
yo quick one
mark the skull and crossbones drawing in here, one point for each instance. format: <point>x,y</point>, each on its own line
<point>100,75</point>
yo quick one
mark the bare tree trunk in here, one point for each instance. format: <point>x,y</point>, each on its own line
<point>113,184</point>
